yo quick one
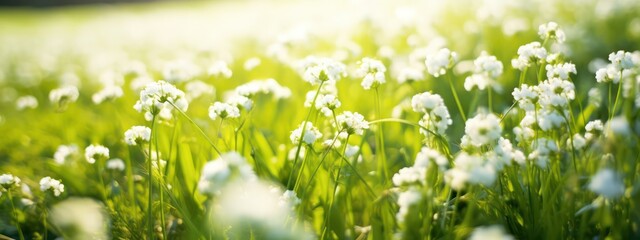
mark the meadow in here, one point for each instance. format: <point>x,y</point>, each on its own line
<point>321,120</point>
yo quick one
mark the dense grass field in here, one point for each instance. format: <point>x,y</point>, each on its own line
<point>328,120</point>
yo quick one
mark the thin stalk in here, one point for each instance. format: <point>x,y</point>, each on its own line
<point>523,74</point>
<point>197,127</point>
<point>609,102</point>
<point>335,188</point>
<point>15,215</point>
<point>615,104</point>
<point>161,184</point>
<point>381,154</point>
<point>455,97</point>
<point>150,180</point>
<point>490,99</point>
<point>304,128</point>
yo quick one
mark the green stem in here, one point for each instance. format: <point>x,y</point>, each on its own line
<point>615,104</point>
<point>455,97</point>
<point>381,154</point>
<point>335,188</point>
<point>15,215</point>
<point>522,76</point>
<point>150,200</point>
<point>161,185</point>
<point>609,102</point>
<point>304,129</point>
<point>197,127</point>
<point>490,100</point>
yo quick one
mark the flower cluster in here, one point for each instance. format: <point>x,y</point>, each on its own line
<point>49,184</point>
<point>157,98</point>
<point>137,135</point>
<point>220,172</point>
<point>95,153</point>
<point>436,116</point>
<point>311,134</point>
<point>372,71</point>
<point>352,123</point>
<point>441,61</point>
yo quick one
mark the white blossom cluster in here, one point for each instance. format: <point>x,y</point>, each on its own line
<point>436,117</point>
<point>157,98</point>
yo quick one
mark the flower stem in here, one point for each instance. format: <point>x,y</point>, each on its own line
<point>197,127</point>
<point>335,188</point>
<point>381,151</point>
<point>615,104</point>
<point>455,97</point>
<point>15,215</point>
<point>150,180</point>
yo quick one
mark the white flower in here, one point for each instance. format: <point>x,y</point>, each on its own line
<point>327,103</point>
<point>495,232</point>
<point>351,150</point>
<point>80,218</point>
<point>63,95</point>
<point>528,54</point>
<point>156,99</point>
<point>251,63</point>
<point>427,155</point>
<point>470,169</point>
<point>372,71</point>
<point>608,74</point>
<point>543,148</point>
<point>410,175</point>
<point>220,172</point>
<point>594,128</point>
<point>223,110</point>
<point>115,164</point>
<point>437,120</point>
<point>48,183</point>
<point>311,134</point>
<point>410,74</point>
<point>265,86</point>
<point>622,60</point>
<point>64,152</point>
<point>137,134</point>
<point>25,102</point>
<point>316,70</point>
<point>488,65</point>
<point>527,96</point>
<point>617,126</point>
<point>352,123</point>
<point>289,199</point>
<point>607,183</point>
<point>440,62</point>
<point>505,151</point>
<point>578,141</point>
<point>239,101</point>
<point>220,69</point>
<point>551,30</point>
<point>95,153</point>
<point>107,93</point>
<point>556,92</point>
<point>406,200</point>
<point>483,129</point>
<point>595,97</point>
<point>560,70</point>
<point>476,80</point>
<point>8,181</point>
<point>195,89</point>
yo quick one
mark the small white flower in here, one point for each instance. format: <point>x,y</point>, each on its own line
<point>251,63</point>
<point>410,175</point>
<point>327,104</point>
<point>95,153</point>
<point>239,101</point>
<point>137,134</point>
<point>156,99</point>
<point>607,183</point>
<point>107,93</point>
<point>608,74</point>
<point>195,89</point>
<point>8,181</point>
<point>488,65</point>
<point>64,152</point>
<point>483,129</point>
<point>595,97</point>
<point>440,62</point>
<point>622,60</point>
<point>372,71</point>
<point>527,96</point>
<point>476,80</point>
<point>25,102</point>
<point>220,69</point>
<point>560,70</point>
<point>551,30</point>
<point>578,141</point>
<point>316,70</point>
<point>115,164</point>
<point>594,128</point>
<point>427,155</point>
<point>352,123</point>
<point>311,134</point>
<point>529,54</point>
<point>227,168</point>
<point>223,111</point>
<point>406,200</point>
<point>64,95</point>
<point>48,183</point>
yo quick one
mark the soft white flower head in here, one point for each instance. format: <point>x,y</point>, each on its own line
<point>372,71</point>
<point>220,69</point>
<point>219,172</point>
<point>311,134</point>
<point>80,218</point>
<point>157,99</point>
<point>239,101</point>
<point>527,96</point>
<point>25,102</point>
<point>426,102</point>
<point>64,152</point>
<point>543,148</point>
<point>95,153</point>
<point>251,63</point>
<point>223,111</point>
<point>327,104</point>
<point>427,155</point>
<point>316,70</point>
<point>555,92</point>
<point>196,88</point>
<point>608,74</point>
<point>64,95</point>
<point>48,183</point>
<point>488,65</point>
<point>495,232</point>
<point>441,61</point>
<point>622,60</point>
<point>578,141</point>
<point>352,123</point>
<point>593,129</point>
<point>109,92</point>
<point>617,126</point>
<point>406,200</point>
<point>137,135</point>
<point>483,129</point>
<point>115,164</point>
<point>507,153</point>
<point>8,181</point>
<point>551,30</point>
<point>437,120</point>
<point>470,169</point>
<point>607,183</point>
<point>595,97</point>
<point>409,176</point>
<point>264,86</point>
<point>410,74</point>
<point>528,54</point>
<point>479,81</point>
<point>560,70</point>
